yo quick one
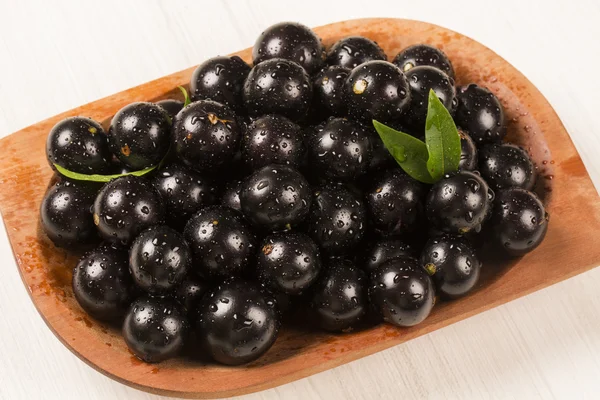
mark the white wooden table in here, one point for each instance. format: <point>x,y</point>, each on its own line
<point>55,55</point>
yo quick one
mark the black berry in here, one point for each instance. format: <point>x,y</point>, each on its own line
<point>459,203</point>
<point>222,244</point>
<point>453,265</point>
<point>328,86</point>
<point>183,192</point>
<point>519,221</point>
<point>353,51</point>
<point>278,86</point>
<point>340,149</point>
<point>126,206</point>
<point>272,139</point>
<point>275,197</point>
<point>220,79</point>
<point>78,144</point>
<point>338,218</point>
<point>288,262</point>
<point>66,214</point>
<point>101,282</point>
<point>480,114</point>
<point>139,135</point>
<point>422,54</point>
<point>401,292</point>
<point>159,259</point>
<point>155,329</point>
<point>339,299</point>
<point>237,323</point>
<point>290,41</point>
<point>395,202</point>
<point>506,165</point>
<point>206,135</point>
<point>377,90</point>
<point>422,80</point>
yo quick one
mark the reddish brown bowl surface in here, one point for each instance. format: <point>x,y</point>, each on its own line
<point>568,249</point>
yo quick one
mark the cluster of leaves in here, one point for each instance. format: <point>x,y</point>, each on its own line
<point>425,161</point>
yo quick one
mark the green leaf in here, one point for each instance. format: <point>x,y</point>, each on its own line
<point>408,151</point>
<point>186,96</point>
<point>99,178</point>
<point>442,139</point>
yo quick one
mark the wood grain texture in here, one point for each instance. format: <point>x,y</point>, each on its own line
<point>298,354</point>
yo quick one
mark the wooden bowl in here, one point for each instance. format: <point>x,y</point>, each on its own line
<point>569,248</point>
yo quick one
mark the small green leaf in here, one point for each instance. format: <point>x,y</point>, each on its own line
<point>442,139</point>
<point>186,96</point>
<point>99,178</point>
<point>408,151</point>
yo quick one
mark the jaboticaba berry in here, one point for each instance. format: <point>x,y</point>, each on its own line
<point>459,203</point>
<point>377,90</point>
<point>275,197</point>
<point>206,135</point>
<point>290,41</point>
<point>278,86</point>
<point>480,114</point>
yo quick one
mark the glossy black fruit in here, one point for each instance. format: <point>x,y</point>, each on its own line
<point>278,86</point>
<point>78,144</point>
<point>171,106</point>
<point>272,139</point>
<point>155,329</point>
<point>519,221</point>
<point>352,51</point>
<point>339,298</point>
<point>395,202</point>
<point>422,80</point>
<point>140,134</point>
<point>328,87</point>
<point>220,79</point>
<point>506,165</point>
<point>377,90</point>
<point>231,195</point>
<point>468,153</point>
<point>206,135</point>
<point>452,264</point>
<point>101,282</point>
<point>401,292</point>
<point>340,149</point>
<point>480,113</point>
<point>126,206</point>
<point>275,197</point>
<point>183,192</point>
<point>384,250</point>
<point>459,203</point>
<point>237,323</point>
<point>288,262</point>
<point>159,259</point>
<point>66,214</point>
<point>221,243</point>
<point>338,218</point>
<point>290,41</point>
<point>189,293</point>
<point>422,54</point>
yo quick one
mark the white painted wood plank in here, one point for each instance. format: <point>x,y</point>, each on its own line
<point>57,55</point>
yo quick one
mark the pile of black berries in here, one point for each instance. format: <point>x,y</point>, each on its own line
<point>276,197</point>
